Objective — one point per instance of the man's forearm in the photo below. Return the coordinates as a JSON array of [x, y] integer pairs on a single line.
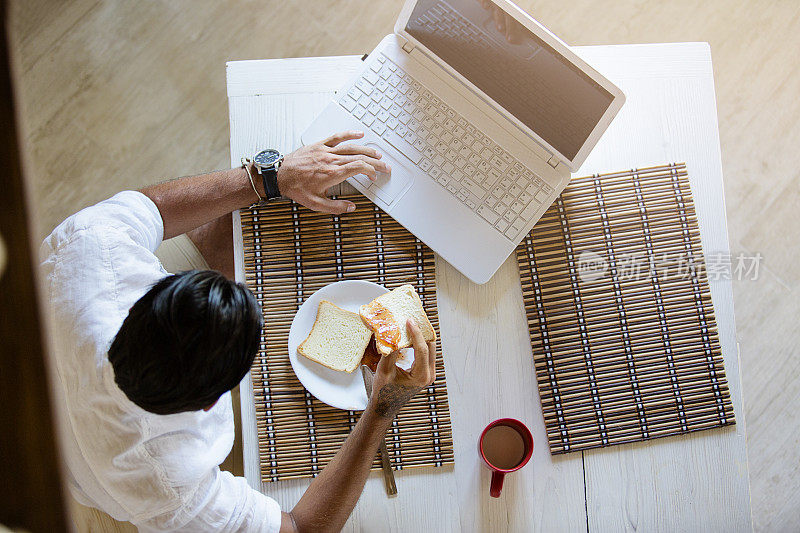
[[304, 176], [331, 497], [188, 203]]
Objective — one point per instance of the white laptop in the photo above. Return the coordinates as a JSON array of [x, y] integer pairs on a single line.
[[480, 126]]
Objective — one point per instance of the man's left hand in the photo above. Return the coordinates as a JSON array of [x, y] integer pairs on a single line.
[[307, 173]]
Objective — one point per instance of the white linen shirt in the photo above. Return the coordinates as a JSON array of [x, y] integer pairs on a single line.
[[159, 472]]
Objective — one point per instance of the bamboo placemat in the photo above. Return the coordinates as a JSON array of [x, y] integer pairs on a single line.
[[289, 253], [622, 326]]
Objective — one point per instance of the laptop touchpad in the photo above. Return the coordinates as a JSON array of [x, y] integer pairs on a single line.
[[389, 187]]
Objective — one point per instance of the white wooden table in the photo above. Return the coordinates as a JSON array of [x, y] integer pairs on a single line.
[[696, 482]]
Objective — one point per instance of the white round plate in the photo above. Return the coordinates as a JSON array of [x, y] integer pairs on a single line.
[[337, 389]]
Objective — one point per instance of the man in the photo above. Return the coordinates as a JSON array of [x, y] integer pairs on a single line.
[[144, 360]]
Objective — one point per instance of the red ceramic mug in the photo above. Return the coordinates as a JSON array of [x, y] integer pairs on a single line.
[[506, 445]]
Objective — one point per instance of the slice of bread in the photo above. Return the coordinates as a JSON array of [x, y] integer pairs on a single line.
[[387, 315], [337, 339]]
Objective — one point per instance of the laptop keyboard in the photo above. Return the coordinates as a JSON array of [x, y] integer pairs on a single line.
[[463, 161]]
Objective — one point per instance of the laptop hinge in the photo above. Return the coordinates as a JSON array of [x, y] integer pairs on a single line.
[[553, 161], [408, 46]]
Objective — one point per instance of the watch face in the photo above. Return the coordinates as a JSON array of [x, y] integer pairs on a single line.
[[267, 158]]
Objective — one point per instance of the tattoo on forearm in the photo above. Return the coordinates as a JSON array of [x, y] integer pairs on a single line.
[[391, 398]]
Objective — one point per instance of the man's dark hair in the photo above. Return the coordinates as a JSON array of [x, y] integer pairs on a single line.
[[191, 338]]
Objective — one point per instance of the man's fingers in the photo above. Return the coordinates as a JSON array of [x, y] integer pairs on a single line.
[[356, 149], [351, 169], [334, 207], [385, 363], [420, 348], [377, 164], [432, 358], [342, 136]]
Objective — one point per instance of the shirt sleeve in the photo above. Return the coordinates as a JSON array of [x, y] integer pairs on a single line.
[[129, 212], [224, 503]]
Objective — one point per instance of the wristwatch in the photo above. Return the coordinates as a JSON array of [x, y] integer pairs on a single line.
[[267, 163]]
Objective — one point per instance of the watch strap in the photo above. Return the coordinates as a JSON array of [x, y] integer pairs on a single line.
[[270, 178]]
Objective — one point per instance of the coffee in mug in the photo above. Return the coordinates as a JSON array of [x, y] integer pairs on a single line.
[[505, 445]]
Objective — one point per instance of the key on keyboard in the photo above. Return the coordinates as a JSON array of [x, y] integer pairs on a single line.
[[458, 156]]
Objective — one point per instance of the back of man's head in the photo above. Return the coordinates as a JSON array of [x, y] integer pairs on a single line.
[[191, 338]]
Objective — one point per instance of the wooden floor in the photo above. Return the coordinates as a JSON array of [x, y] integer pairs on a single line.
[[116, 94]]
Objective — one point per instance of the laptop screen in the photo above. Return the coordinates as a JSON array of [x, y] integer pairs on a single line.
[[514, 67]]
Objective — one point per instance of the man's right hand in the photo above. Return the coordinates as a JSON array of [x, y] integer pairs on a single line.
[[307, 173], [393, 386], [331, 497]]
